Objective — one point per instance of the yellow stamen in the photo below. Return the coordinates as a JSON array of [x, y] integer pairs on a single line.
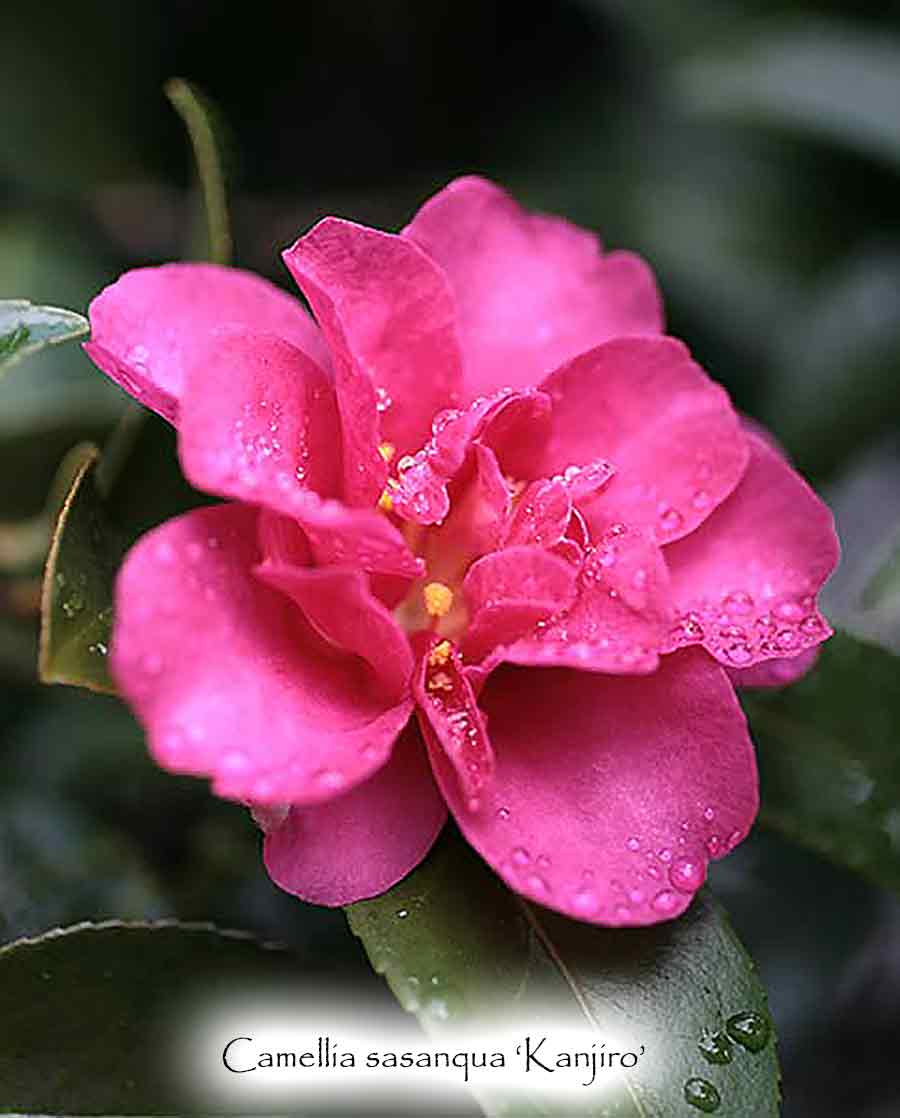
[[440, 681], [438, 599], [386, 501], [387, 451], [440, 654]]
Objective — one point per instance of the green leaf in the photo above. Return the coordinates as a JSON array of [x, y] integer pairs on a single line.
[[76, 606], [833, 80], [26, 329], [457, 948], [829, 758], [203, 124], [80, 1010]]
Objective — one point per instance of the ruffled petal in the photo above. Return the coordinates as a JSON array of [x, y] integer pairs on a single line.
[[360, 844], [258, 418], [508, 592], [745, 582], [337, 603], [611, 794], [620, 617], [229, 679], [451, 720], [672, 434], [532, 291], [389, 318], [145, 326]]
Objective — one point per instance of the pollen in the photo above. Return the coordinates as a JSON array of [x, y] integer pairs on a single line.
[[438, 599], [387, 451], [440, 654]]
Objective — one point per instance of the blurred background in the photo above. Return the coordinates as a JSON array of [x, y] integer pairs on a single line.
[[750, 149]]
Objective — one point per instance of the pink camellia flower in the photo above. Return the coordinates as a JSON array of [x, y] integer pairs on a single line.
[[494, 545]]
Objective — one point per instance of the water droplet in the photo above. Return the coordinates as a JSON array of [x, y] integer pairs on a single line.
[[749, 1030], [739, 653], [98, 648], [701, 500], [670, 519], [633, 844], [665, 902], [789, 611], [402, 913], [329, 778], [738, 602], [701, 1094], [73, 604], [521, 856], [665, 855], [709, 814], [687, 874], [543, 861], [503, 813], [383, 400], [537, 884], [585, 902], [715, 1048]]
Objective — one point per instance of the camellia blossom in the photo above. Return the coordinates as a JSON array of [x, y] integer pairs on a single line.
[[492, 543]]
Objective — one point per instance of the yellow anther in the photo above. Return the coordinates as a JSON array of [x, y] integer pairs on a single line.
[[440, 681], [386, 501], [440, 654], [387, 451], [438, 599]]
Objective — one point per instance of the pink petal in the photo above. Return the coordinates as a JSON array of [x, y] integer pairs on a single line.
[[508, 592], [144, 327], [610, 794], [228, 678], [450, 716], [775, 673], [532, 291], [541, 516], [672, 434], [338, 605], [389, 318], [360, 844], [353, 537], [621, 615], [258, 419], [508, 425], [744, 583]]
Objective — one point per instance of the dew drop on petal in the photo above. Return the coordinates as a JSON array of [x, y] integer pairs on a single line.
[[687, 874], [665, 902]]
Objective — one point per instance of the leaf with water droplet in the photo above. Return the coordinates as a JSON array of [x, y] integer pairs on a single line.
[[499, 958], [76, 605], [26, 329], [829, 762]]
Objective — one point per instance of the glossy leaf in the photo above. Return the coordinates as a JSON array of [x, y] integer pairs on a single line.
[[26, 329], [829, 751], [76, 607], [81, 1009], [459, 950]]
